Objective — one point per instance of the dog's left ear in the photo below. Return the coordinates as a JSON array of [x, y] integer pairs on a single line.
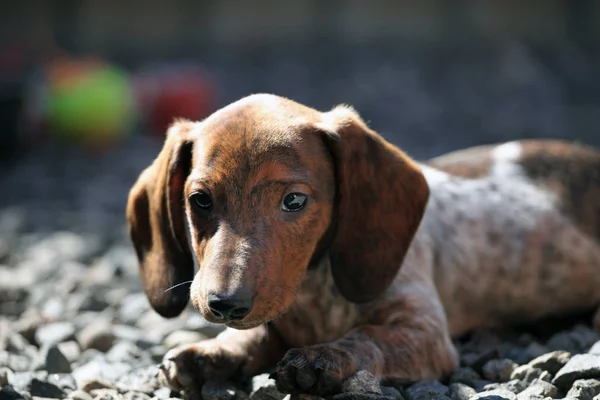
[[381, 197]]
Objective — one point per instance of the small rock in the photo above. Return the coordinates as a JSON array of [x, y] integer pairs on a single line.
[[70, 350], [477, 360], [392, 392], [125, 351], [497, 394], [595, 349], [264, 388], [213, 390], [584, 389], [136, 396], [54, 360], [43, 388], [93, 302], [106, 394], [465, 375], [425, 390], [580, 366], [538, 388], [79, 395], [95, 384], [362, 382], [362, 396], [6, 376], [499, 370], [180, 337], [578, 340], [141, 380], [97, 335], [54, 333], [515, 386], [551, 362], [8, 393], [132, 307], [16, 362], [526, 373], [460, 391], [163, 393]]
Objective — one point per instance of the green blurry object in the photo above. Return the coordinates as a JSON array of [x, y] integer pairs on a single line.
[[89, 102]]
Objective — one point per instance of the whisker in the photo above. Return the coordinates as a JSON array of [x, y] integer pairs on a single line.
[[179, 284]]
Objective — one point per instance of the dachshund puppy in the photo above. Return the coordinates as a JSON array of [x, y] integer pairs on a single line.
[[327, 250]]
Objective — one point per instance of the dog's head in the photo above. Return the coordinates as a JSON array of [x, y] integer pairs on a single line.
[[259, 191]]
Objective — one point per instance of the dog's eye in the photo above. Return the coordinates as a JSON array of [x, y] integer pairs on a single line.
[[201, 200], [294, 202]]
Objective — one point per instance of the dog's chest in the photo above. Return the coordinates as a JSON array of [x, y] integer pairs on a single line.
[[319, 314]]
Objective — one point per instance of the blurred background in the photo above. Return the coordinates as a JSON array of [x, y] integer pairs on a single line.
[[88, 87]]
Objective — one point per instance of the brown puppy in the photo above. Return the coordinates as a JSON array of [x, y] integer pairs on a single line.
[[330, 251]]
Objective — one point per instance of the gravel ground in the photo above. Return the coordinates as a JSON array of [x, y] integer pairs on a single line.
[[74, 322], [73, 319]]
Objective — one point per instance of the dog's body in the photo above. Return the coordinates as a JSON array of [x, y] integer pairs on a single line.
[[508, 234]]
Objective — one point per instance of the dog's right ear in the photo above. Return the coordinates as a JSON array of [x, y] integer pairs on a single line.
[[155, 215]]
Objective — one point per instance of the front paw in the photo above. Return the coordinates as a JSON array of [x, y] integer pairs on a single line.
[[187, 367], [316, 370]]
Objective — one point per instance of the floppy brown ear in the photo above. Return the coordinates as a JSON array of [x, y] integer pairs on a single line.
[[155, 214], [381, 197]]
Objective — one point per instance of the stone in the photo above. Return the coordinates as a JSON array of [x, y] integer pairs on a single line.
[[55, 361], [9, 393], [362, 382], [143, 380], [497, 394], [389, 391], [427, 389], [499, 370], [79, 395], [264, 388], [97, 335], [584, 389], [577, 340], [136, 396], [70, 350], [476, 360], [180, 337], [16, 362], [133, 307], [460, 391], [106, 394], [214, 390], [6, 376], [526, 373], [54, 333], [595, 349], [551, 362], [95, 384], [580, 366], [538, 388], [363, 396]]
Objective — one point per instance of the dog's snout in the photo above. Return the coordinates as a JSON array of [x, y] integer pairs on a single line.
[[231, 308]]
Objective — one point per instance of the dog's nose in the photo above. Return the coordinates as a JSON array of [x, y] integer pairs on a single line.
[[229, 308]]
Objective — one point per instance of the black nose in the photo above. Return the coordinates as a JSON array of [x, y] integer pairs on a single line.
[[229, 308]]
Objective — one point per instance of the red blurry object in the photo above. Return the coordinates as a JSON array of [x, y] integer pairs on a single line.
[[168, 92]]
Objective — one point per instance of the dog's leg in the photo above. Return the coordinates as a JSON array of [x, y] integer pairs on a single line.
[[414, 345], [233, 353]]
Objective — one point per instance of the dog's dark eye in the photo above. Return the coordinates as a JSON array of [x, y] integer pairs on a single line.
[[201, 200], [294, 202]]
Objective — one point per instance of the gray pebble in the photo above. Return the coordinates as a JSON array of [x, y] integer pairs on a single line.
[[362, 382], [55, 362], [580, 366], [428, 389], [54, 333], [526, 373], [595, 349], [180, 337], [460, 391], [9, 393], [97, 335], [499, 370], [106, 394], [584, 389], [6, 376], [539, 388], [497, 394], [551, 362], [264, 388], [70, 350], [362, 396], [136, 396], [79, 395]]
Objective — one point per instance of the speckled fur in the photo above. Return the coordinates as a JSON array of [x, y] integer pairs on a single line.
[[510, 234]]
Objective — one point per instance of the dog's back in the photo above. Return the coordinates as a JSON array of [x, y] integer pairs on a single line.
[[515, 231]]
